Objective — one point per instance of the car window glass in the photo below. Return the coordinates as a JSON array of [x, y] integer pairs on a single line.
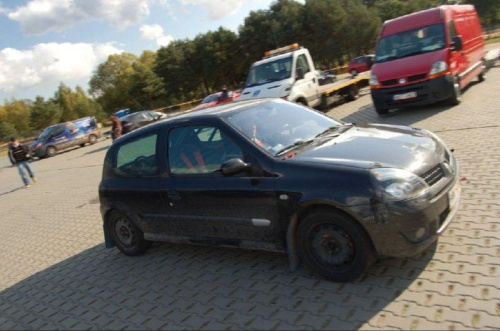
[[199, 150], [275, 125], [57, 131], [302, 63], [137, 157]]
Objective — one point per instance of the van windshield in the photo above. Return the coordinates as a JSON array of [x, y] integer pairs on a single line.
[[45, 134], [271, 71], [409, 43]]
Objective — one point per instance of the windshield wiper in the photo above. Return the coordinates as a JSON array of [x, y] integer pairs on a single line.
[[335, 129], [300, 143]]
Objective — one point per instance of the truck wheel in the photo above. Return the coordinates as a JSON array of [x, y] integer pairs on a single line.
[[92, 139], [482, 75], [126, 235], [352, 93], [51, 151], [456, 98], [334, 246]]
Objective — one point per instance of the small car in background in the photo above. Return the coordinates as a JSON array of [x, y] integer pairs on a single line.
[[326, 77], [360, 64], [273, 175], [65, 135], [139, 119], [217, 99]]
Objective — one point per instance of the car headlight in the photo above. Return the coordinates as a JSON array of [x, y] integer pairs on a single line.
[[374, 81], [396, 184], [439, 68]]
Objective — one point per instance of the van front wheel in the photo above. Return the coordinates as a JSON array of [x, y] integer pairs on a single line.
[[456, 97]]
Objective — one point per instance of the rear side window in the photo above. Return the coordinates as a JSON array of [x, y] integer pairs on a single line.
[[137, 158]]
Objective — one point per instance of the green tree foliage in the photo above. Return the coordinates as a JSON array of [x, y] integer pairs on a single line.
[[44, 113], [488, 11], [174, 64], [7, 131], [146, 86], [110, 84], [17, 113]]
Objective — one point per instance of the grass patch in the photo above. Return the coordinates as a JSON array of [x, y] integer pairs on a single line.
[[492, 40]]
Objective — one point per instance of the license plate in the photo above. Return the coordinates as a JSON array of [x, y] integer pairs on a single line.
[[453, 195], [404, 96]]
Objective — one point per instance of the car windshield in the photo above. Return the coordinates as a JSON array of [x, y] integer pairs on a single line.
[[411, 42], [270, 71], [278, 126], [211, 98]]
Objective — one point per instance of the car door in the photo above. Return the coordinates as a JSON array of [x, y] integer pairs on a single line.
[[202, 203], [59, 138], [136, 182], [309, 84]]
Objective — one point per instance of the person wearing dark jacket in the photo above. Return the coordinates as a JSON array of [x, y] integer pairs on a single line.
[[116, 129], [19, 155]]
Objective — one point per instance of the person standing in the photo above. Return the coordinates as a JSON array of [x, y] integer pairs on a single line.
[[19, 155], [116, 129]]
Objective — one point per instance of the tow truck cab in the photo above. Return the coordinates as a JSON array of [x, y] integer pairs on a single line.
[[288, 73]]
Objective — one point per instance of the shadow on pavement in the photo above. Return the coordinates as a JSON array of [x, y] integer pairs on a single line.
[[193, 287]]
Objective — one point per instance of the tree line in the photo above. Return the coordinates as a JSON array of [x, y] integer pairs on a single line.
[[333, 30]]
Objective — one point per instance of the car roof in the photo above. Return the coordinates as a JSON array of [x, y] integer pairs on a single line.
[[212, 112]]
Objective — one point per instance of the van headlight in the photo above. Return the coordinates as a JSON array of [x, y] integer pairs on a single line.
[[374, 81], [439, 68], [393, 184]]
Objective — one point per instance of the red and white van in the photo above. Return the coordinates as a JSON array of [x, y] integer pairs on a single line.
[[427, 56]]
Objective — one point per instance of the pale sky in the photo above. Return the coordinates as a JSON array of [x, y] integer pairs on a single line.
[[45, 42]]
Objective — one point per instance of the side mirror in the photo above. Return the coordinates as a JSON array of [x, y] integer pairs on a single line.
[[299, 73], [233, 166], [456, 43]]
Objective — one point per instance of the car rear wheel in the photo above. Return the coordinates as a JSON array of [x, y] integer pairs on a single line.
[[127, 236], [92, 139], [51, 151], [334, 246], [354, 72]]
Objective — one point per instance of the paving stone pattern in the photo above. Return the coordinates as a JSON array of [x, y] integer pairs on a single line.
[[56, 274]]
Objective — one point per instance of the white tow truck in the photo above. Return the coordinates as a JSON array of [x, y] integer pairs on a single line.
[[289, 73]]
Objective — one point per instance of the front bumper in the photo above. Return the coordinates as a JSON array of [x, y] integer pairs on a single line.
[[430, 91], [406, 228]]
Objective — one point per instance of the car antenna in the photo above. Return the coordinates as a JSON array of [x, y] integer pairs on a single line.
[[145, 110]]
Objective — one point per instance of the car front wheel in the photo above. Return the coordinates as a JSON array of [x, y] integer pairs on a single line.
[[334, 246], [92, 139], [127, 236]]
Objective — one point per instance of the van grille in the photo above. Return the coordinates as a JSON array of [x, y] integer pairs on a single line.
[[416, 77], [433, 176]]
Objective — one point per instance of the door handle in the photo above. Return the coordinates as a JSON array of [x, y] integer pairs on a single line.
[[173, 195]]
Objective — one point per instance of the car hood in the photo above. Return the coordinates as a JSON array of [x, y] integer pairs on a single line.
[[408, 66], [373, 145]]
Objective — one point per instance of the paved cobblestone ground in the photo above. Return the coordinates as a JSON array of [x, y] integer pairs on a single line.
[[56, 274]]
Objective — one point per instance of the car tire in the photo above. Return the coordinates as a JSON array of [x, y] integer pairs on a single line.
[[352, 93], [126, 235], [456, 97], [381, 111], [354, 72], [92, 139], [50, 151], [334, 246], [482, 75]]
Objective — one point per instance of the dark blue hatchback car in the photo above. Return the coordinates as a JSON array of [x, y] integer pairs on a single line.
[[274, 175]]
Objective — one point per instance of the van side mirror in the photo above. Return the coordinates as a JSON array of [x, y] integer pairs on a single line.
[[299, 73], [234, 166], [456, 43]]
